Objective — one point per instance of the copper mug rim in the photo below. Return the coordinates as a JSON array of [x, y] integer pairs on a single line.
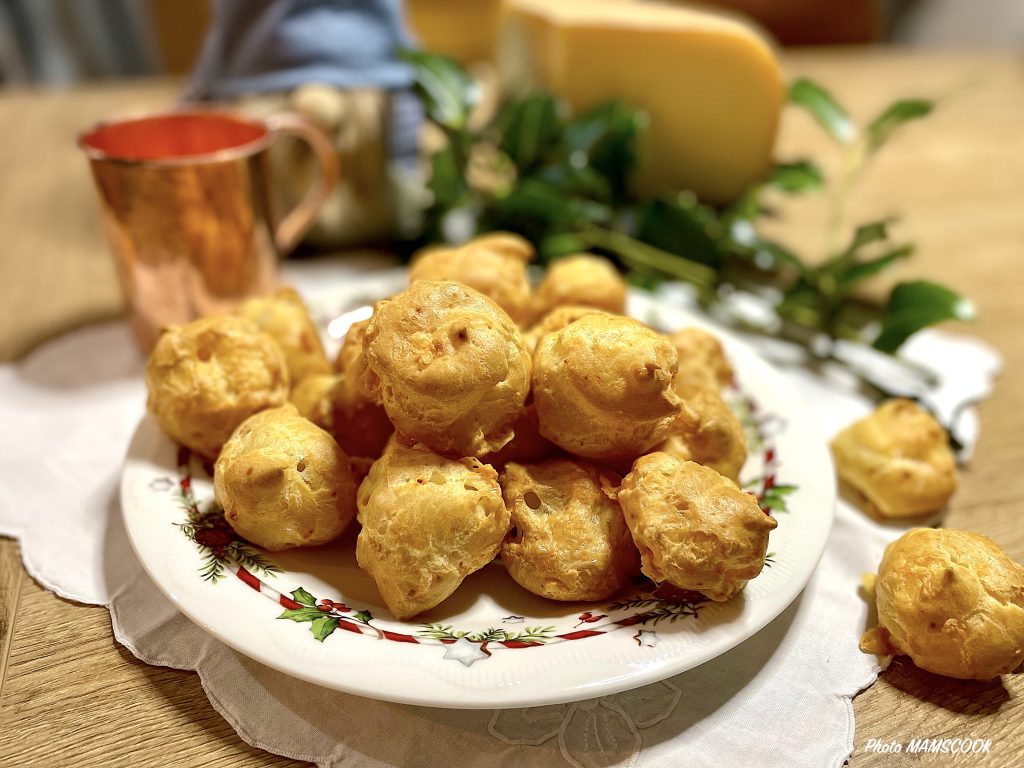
[[223, 135], [162, 176], [257, 142]]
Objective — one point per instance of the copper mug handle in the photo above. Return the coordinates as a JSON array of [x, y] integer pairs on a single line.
[[299, 219]]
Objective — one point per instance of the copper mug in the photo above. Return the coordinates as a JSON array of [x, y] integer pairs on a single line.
[[185, 200]]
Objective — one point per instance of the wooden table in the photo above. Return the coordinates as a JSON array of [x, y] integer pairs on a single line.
[[69, 694]]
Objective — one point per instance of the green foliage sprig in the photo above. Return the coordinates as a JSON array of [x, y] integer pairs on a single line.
[[562, 181]]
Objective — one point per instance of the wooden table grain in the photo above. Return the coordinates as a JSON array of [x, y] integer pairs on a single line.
[[70, 695]]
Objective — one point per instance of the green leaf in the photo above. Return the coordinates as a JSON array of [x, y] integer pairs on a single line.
[[529, 128], [323, 627], [916, 305], [561, 244], [798, 177], [301, 614], [897, 114], [746, 207], [583, 181], [536, 210], [775, 498], [780, 254], [801, 304], [644, 279], [605, 139], [363, 616], [864, 235], [682, 226], [303, 597], [871, 267], [868, 233], [447, 92], [824, 109], [743, 235], [447, 182]]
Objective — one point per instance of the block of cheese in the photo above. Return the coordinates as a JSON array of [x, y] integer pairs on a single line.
[[709, 82]]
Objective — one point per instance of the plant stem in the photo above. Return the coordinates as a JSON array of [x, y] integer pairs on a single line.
[[635, 253], [853, 163]]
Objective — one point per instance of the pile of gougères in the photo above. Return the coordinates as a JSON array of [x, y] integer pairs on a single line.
[[476, 415]]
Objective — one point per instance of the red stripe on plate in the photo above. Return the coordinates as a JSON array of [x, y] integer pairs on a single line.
[[248, 578], [580, 634], [398, 637]]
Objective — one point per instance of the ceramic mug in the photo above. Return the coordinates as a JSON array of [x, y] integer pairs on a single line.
[[186, 204]]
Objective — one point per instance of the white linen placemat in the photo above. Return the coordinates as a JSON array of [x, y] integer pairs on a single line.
[[68, 412]]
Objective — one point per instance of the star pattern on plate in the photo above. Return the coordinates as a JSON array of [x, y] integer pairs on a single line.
[[513, 619], [161, 484], [465, 652], [646, 638]]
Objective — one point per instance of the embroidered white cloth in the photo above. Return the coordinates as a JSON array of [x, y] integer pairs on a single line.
[[69, 409]]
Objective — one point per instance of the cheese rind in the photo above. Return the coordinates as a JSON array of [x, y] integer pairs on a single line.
[[710, 83]]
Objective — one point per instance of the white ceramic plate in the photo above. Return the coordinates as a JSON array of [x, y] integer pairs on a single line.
[[492, 644]]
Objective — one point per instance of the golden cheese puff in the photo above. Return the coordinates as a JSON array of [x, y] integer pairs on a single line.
[[676, 447], [283, 315], [486, 264], [899, 458], [951, 600], [709, 433], [556, 320], [360, 382], [506, 244], [568, 539], [361, 427], [603, 387], [694, 528], [350, 353], [451, 369], [312, 397], [427, 523], [207, 377], [583, 279], [527, 446], [702, 361], [284, 482], [351, 348], [360, 424]]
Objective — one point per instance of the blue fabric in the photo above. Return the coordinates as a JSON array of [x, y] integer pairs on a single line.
[[256, 46]]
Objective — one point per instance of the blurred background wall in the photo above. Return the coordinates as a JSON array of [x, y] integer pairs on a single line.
[[65, 41], [57, 42]]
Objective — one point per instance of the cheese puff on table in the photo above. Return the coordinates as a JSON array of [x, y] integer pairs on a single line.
[[951, 600]]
